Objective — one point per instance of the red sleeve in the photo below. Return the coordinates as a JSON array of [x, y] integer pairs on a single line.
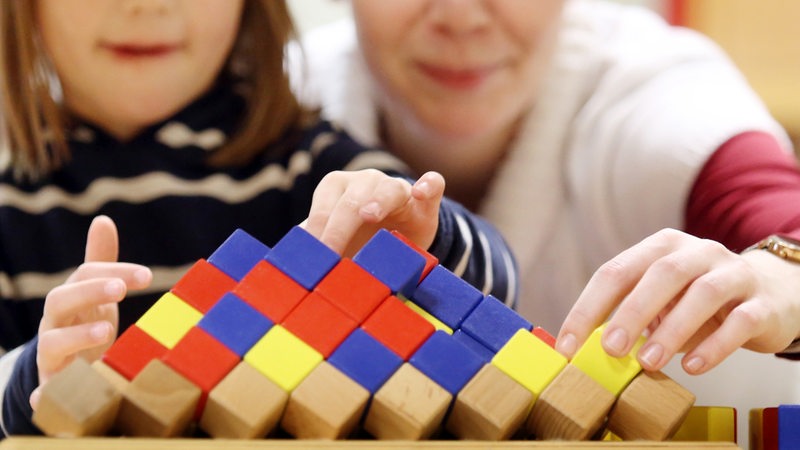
[[748, 189]]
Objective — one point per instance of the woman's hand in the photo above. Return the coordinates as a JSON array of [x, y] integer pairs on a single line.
[[349, 207], [80, 316], [691, 295]]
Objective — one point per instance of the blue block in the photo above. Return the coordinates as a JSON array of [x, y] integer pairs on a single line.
[[235, 323], [391, 261], [238, 254], [446, 296], [446, 361], [492, 323], [302, 257], [788, 427], [365, 360], [469, 342]]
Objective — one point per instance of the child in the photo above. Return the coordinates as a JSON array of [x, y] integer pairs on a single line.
[[175, 119]]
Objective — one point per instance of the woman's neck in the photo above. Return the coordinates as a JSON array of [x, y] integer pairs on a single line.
[[468, 164]]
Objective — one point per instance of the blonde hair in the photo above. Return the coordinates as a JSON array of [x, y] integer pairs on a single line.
[[34, 124]]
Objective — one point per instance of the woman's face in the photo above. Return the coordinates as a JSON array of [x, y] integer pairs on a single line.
[[126, 64], [458, 68]]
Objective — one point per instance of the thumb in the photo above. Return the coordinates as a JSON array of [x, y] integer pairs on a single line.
[[102, 241]]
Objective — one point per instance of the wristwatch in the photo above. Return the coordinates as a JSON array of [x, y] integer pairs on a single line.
[[783, 246]]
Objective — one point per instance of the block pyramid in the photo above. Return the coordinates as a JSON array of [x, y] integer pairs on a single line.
[[389, 343]]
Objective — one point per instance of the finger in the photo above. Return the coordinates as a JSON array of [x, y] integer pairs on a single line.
[[389, 196], [607, 287], [747, 320], [345, 217], [35, 397], [135, 276], [58, 347], [427, 193], [326, 195], [102, 241], [706, 296], [65, 302], [663, 281]]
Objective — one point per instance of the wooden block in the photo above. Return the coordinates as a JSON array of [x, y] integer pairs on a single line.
[[446, 361], [283, 358], [235, 323], [437, 324], [409, 406], [203, 360], [365, 360], [398, 327], [391, 261], [203, 285], [572, 407], [159, 402], [319, 324], [492, 323], [446, 296], [708, 423], [169, 319], [529, 361], [469, 342], [430, 260], [763, 428], [244, 405], [326, 405], [112, 376], [492, 406], [270, 291], [353, 290], [132, 350], [542, 334], [611, 372], [788, 427], [652, 407], [302, 257], [238, 254], [77, 402]]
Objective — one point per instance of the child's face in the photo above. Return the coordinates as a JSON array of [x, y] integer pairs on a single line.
[[126, 64], [459, 68]]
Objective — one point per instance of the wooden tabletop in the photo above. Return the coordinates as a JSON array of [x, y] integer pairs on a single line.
[[40, 443]]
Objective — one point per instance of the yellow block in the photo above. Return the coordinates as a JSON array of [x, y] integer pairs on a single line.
[[529, 361], [438, 324], [169, 319], [708, 423], [612, 373], [283, 358]]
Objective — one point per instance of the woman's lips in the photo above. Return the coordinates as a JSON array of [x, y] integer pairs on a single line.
[[140, 51], [461, 79]]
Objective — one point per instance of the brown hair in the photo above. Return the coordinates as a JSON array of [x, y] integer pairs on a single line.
[[33, 123]]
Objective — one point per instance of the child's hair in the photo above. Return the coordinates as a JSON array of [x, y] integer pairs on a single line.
[[33, 124]]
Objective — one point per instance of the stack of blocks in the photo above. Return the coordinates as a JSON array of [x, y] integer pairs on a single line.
[[775, 428], [296, 338]]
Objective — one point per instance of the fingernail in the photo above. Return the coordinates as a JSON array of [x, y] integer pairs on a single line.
[[114, 288], [567, 345], [424, 187], [617, 341], [651, 355], [694, 364], [372, 209], [99, 332], [142, 276]]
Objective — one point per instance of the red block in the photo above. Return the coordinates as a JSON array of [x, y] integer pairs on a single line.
[[319, 324], [133, 350], [203, 285], [352, 289], [542, 334], [203, 360], [430, 260], [398, 327], [270, 291]]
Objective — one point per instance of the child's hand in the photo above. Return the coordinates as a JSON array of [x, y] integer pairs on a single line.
[[80, 316], [692, 295], [349, 207]]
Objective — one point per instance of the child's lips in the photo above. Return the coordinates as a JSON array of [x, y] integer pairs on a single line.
[[134, 51], [467, 78]]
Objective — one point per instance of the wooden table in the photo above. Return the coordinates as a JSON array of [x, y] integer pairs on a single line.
[[39, 443]]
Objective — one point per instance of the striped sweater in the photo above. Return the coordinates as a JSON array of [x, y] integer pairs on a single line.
[[172, 209]]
